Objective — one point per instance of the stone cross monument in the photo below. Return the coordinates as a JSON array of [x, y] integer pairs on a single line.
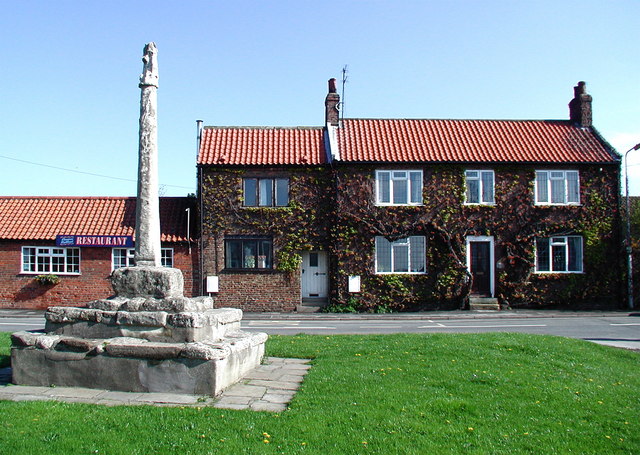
[[147, 337], [147, 208]]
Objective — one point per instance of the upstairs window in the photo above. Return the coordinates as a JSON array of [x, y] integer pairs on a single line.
[[248, 253], [557, 187], [51, 260], [125, 257], [560, 254], [479, 187], [259, 192], [399, 187], [401, 256]]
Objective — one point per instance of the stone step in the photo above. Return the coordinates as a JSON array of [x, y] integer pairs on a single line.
[[484, 304], [305, 308]]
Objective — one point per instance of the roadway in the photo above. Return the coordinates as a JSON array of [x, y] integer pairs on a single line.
[[618, 329]]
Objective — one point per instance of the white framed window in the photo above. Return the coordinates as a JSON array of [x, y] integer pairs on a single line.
[[399, 187], [479, 187], [125, 257], [265, 192], [401, 256], [559, 254], [42, 259], [557, 187]]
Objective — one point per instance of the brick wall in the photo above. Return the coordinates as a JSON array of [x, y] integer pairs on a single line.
[[259, 292], [250, 291], [18, 290]]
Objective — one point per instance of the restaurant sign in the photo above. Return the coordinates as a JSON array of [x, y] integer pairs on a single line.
[[122, 241]]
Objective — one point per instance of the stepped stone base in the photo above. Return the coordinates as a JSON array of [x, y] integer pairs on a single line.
[[148, 338], [134, 365]]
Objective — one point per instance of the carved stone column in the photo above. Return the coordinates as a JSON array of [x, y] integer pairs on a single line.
[[147, 208]]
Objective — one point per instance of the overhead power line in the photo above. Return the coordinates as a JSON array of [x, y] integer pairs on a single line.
[[84, 172]]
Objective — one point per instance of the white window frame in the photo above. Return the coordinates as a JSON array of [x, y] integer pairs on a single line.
[[50, 252], [402, 243], [560, 241], [274, 192], [477, 175], [555, 175], [399, 175], [130, 255]]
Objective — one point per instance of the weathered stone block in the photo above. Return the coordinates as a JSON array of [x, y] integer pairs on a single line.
[[157, 282], [142, 318], [80, 344], [143, 350]]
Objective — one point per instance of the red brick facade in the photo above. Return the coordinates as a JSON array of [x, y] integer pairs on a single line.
[[258, 291], [20, 290]]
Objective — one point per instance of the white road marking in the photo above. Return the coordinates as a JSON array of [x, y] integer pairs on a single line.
[[630, 323], [441, 326], [289, 327], [22, 323]]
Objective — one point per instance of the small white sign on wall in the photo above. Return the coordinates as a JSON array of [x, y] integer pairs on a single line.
[[354, 283], [212, 284]]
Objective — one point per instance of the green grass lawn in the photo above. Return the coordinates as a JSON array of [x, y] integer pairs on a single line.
[[393, 394], [5, 348]]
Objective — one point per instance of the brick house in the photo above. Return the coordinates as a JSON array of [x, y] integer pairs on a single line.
[[411, 214], [81, 240]]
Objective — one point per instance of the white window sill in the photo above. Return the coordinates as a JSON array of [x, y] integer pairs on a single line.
[[545, 204], [484, 204], [399, 205], [50, 273], [558, 273], [401, 273]]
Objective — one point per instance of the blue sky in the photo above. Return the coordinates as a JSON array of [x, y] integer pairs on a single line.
[[69, 75]]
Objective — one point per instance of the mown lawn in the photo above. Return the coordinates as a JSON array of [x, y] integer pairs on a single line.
[[393, 394]]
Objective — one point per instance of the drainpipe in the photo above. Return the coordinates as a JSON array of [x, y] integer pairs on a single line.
[[200, 209]]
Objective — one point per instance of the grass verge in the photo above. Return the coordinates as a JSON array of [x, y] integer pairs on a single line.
[[412, 394], [5, 349]]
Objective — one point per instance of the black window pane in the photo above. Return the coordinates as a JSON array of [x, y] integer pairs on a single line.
[[250, 191], [282, 192], [234, 254], [542, 255]]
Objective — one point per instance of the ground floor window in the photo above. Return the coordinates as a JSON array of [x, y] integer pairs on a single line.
[[401, 256], [124, 257], [559, 254], [36, 259], [248, 253]]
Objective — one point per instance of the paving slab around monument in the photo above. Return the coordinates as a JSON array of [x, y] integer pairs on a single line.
[[269, 387]]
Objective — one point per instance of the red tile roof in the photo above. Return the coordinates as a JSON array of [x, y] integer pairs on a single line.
[[402, 140], [42, 218], [261, 146]]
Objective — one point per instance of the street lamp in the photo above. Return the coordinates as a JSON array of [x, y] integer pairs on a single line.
[[628, 237]]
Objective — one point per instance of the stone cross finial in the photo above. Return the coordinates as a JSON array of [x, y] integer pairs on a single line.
[[147, 205], [149, 74]]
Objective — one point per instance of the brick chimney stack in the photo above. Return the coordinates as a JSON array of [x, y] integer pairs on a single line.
[[332, 114], [580, 106]]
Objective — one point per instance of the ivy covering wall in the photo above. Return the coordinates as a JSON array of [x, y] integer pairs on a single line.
[[333, 209]]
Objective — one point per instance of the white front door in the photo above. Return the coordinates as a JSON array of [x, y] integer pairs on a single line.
[[315, 279]]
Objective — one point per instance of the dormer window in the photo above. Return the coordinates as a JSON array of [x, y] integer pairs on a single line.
[[399, 187]]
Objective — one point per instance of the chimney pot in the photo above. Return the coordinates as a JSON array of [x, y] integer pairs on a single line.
[[332, 85]]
